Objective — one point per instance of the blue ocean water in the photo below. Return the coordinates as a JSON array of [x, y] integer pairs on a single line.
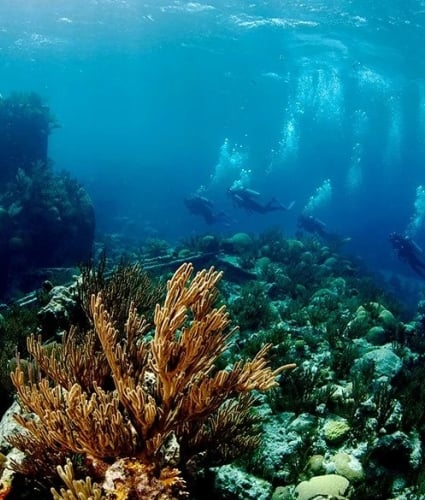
[[317, 102]]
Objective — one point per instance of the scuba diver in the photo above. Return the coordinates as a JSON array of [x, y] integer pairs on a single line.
[[408, 251], [199, 205], [243, 197], [311, 224]]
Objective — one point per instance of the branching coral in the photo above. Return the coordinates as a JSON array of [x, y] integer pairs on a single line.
[[139, 411], [127, 283]]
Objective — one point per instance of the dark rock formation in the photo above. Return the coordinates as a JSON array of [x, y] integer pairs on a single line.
[[46, 219]]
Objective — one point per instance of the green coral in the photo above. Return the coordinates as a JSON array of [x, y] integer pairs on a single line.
[[16, 323], [335, 431], [252, 308]]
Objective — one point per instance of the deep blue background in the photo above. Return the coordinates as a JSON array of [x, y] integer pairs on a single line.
[[147, 93]]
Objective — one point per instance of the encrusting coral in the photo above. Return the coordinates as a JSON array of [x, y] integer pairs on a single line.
[[125, 414]]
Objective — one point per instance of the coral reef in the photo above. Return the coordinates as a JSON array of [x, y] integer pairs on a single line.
[[15, 325], [359, 372], [25, 124], [125, 284], [46, 219], [352, 411], [139, 411]]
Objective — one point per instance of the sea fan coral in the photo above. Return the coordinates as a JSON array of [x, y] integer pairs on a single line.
[[133, 410]]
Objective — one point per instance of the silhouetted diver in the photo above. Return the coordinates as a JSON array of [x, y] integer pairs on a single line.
[[313, 225], [245, 198], [199, 205], [408, 251]]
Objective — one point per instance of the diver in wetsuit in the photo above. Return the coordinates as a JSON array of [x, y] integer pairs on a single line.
[[199, 205], [313, 225], [408, 251], [243, 197]]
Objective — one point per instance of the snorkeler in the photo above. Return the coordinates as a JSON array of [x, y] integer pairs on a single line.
[[199, 205], [243, 197], [408, 251]]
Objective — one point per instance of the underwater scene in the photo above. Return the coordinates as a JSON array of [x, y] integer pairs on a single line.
[[212, 249]]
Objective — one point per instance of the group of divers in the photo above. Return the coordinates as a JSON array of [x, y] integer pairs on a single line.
[[404, 247]]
